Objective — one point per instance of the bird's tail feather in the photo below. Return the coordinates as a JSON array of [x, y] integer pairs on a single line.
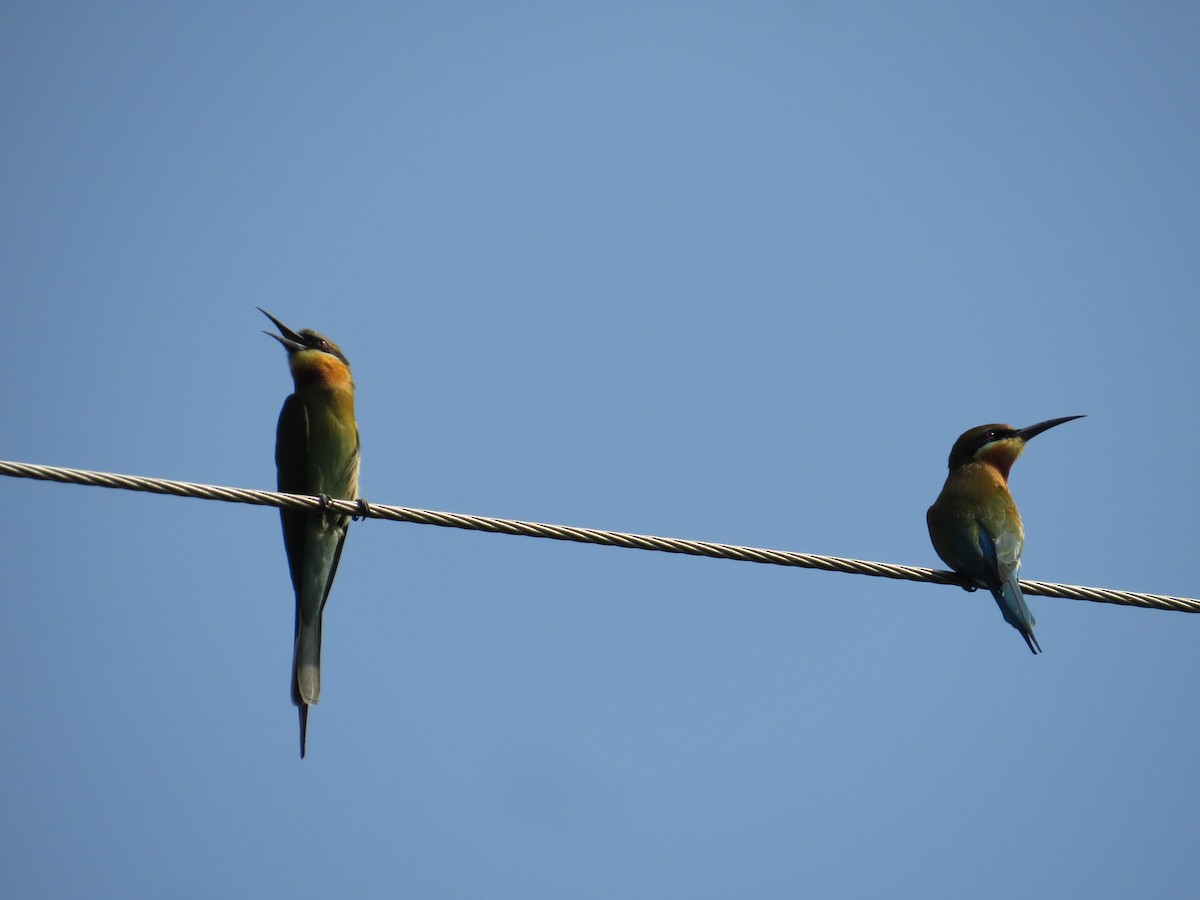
[[306, 674], [1016, 611], [306, 684]]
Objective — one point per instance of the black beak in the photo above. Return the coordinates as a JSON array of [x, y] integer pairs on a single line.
[[290, 339], [1033, 431]]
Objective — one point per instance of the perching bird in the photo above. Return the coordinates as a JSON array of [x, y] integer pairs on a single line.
[[974, 523], [316, 452]]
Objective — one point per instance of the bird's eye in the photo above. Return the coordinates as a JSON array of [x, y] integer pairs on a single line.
[[991, 435]]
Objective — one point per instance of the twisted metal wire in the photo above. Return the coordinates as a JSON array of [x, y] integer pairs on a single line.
[[362, 509]]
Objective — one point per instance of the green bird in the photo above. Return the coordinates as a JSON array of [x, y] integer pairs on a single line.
[[316, 452], [974, 524]]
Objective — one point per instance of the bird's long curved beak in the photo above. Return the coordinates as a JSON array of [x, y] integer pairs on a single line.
[[290, 339], [1033, 431]]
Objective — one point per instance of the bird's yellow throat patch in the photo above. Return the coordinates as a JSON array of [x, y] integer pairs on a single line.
[[314, 367], [1000, 455]]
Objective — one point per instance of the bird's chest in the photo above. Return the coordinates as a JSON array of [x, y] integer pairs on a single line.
[[332, 447]]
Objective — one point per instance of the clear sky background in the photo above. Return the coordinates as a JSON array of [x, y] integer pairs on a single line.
[[728, 271]]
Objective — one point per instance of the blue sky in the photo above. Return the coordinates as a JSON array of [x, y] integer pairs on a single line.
[[728, 271]]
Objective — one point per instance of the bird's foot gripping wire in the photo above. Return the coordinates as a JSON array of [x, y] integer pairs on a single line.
[[364, 510], [961, 580], [326, 502]]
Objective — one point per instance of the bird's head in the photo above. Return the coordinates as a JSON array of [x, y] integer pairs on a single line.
[[997, 445], [311, 356]]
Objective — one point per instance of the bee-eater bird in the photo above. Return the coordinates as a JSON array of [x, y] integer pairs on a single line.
[[974, 523], [316, 452]]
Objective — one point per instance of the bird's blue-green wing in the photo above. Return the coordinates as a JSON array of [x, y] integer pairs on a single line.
[[291, 464], [1003, 556]]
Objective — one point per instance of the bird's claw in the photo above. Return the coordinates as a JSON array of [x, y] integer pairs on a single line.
[[325, 501], [364, 510]]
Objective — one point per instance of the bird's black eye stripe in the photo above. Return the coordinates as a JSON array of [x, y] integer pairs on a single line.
[[989, 436]]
